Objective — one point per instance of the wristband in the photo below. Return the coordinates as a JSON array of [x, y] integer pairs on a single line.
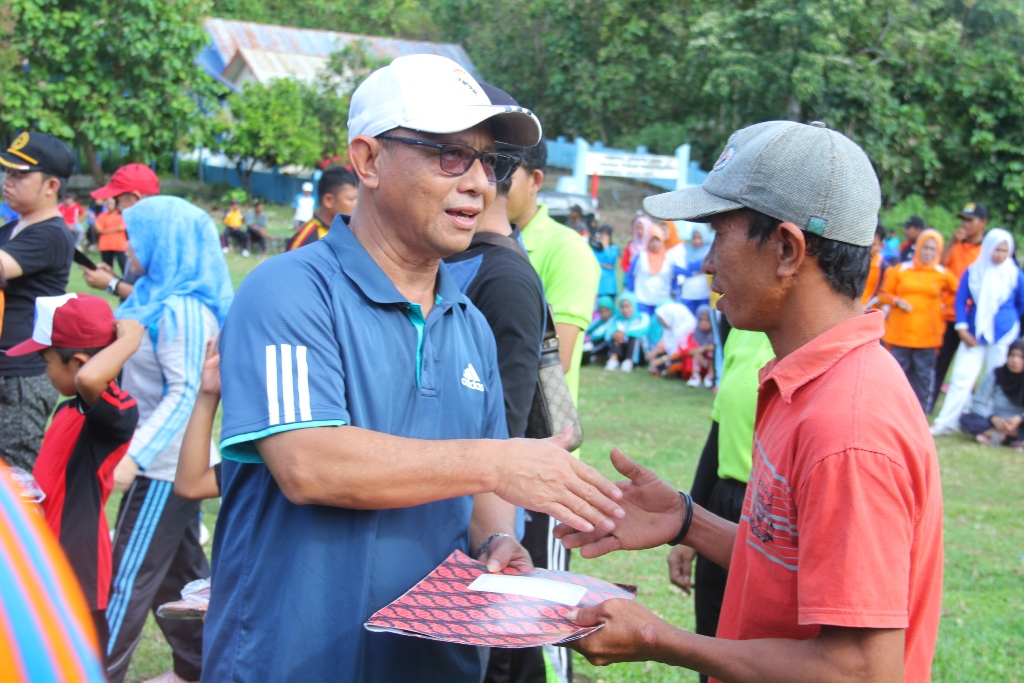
[[687, 519], [487, 544], [112, 287]]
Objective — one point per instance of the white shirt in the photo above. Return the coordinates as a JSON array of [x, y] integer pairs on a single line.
[[304, 207]]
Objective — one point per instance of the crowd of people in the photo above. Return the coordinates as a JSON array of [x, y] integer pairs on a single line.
[[384, 391]]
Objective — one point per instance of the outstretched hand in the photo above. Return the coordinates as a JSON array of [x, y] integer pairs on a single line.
[[539, 474], [654, 514]]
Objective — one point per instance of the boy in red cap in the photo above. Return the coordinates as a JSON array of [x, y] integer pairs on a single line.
[[84, 349]]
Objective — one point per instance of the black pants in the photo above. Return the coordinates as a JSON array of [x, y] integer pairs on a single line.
[[99, 622], [156, 552], [975, 424], [239, 237], [25, 407], [950, 343], [526, 665], [919, 367], [110, 256], [627, 350], [709, 579], [255, 238]]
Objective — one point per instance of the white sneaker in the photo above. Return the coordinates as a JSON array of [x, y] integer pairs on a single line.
[[694, 380], [225, 250], [709, 382], [627, 366], [167, 677], [939, 430], [612, 365], [245, 253]]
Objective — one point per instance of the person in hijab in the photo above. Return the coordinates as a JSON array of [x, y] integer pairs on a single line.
[[629, 327], [597, 342], [989, 305], [650, 277], [689, 283], [677, 323], [996, 414], [608, 256], [181, 296], [638, 242], [699, 358], [915, 291]]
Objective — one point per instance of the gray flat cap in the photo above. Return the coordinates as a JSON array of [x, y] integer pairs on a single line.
[[803, 173]]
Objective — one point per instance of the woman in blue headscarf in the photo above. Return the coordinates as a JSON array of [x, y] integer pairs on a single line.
[[628, 329], [181, 296], [689, 284]]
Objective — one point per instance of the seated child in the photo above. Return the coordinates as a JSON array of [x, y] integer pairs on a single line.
[[677, 323], [629, 327], [194, 478], [84, 349], [595, 344], [696, 357], [996, 413]]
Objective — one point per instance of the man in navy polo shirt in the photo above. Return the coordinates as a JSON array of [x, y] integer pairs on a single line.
[[364, 432]]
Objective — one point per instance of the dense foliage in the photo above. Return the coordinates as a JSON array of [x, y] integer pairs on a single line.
[[104, 73]]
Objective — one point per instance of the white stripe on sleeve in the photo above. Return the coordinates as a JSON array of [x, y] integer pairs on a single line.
[[274, 408], [302, 372]]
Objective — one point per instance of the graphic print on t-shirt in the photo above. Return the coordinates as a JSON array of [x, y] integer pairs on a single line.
[[769, 510]]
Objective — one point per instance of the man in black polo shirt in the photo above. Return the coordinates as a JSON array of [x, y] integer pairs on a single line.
[[35, 259]]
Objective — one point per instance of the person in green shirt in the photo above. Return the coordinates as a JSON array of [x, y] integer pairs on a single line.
[[563, 259], [721, 479]]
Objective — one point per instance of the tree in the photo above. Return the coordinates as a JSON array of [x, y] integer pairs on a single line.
[[107, 73], [271, 124]]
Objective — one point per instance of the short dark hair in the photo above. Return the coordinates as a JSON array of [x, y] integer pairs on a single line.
[[880, 231], [333, 178], [845, 265], [533, 158], [67, 354]]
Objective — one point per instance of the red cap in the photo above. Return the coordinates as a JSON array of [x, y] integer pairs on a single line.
[[69, 321], [131, 178]]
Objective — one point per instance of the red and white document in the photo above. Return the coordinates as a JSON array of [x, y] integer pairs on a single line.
[[460, 602]]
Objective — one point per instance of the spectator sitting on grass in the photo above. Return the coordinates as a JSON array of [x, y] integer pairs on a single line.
[[599, 331], [233, 222], [629, 327], [678, 324], [996, 414]]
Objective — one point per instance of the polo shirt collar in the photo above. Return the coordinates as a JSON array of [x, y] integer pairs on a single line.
[[820, 354], [358, 265], [531, 232]]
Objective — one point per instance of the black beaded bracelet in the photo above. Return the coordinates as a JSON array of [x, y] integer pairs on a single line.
[[487, 544], [687, 519]]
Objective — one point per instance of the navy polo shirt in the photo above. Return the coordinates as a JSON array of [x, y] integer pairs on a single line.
[[320, 337]]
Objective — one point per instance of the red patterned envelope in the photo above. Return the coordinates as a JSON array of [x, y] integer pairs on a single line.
[[443, 607]]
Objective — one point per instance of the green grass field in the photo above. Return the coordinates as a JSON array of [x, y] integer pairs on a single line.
[[663, 425]]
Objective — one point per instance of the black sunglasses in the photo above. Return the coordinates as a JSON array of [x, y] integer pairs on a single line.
[[458, 159]]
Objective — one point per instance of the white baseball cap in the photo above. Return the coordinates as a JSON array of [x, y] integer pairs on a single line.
[[307, 187], [433, 94]]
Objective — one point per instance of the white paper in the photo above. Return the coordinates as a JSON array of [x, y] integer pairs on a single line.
[[556, 591]]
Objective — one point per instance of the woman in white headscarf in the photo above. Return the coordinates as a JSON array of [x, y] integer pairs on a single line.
[[989, 305], [677, 323]]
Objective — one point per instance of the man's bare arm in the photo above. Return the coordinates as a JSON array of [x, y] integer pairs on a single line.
[[567, 337], [364, 470]]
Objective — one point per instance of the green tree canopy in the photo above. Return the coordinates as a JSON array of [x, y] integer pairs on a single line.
[[106, 73]]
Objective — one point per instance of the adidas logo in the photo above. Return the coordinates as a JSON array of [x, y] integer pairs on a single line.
[[471, 379]]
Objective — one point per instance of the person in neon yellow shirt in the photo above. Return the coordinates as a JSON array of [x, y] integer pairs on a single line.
[[565, 262]]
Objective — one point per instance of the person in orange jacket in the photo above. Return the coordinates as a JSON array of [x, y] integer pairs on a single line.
[[868, 297], [916, 291]]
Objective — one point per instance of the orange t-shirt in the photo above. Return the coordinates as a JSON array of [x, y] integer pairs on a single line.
[[111, 241], [871, 284], [842, 522], [961, 255], [926, 290]]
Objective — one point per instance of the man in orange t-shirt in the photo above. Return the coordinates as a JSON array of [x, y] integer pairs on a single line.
[[961, 252], [112, 235], [835, 569]]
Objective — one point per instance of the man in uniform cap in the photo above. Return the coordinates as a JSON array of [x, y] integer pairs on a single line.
[[364, 434], [912, 228], [35, 260], [844, 487]]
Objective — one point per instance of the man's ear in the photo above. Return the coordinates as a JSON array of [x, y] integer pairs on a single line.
[[536, 180], [792, 250], [51, 187], [365, 153], [328, 201]]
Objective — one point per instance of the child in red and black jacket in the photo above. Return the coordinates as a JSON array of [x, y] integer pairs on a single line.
[[84, 349]]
